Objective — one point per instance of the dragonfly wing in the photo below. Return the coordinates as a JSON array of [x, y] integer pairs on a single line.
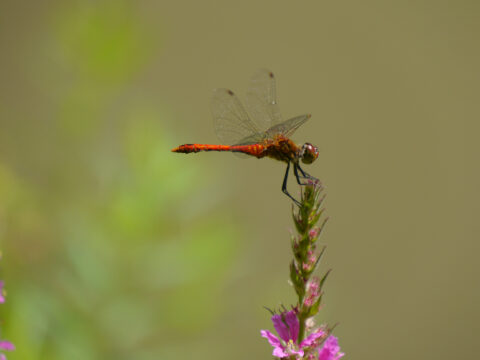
[[262, 99], [288, 127], [231, 121]]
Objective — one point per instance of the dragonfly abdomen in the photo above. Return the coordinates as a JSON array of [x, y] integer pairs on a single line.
[[257, 150], [254, 149], [194, 148]]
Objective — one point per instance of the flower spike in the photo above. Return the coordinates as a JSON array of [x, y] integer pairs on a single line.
[[297, 336]]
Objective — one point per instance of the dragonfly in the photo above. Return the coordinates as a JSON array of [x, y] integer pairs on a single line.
[[260, 132]]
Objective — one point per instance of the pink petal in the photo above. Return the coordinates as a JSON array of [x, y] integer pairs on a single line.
[[298, 352], [6, 345], [330, 350], [279, 352], [293, 325], [310, 339], [3, 357], [272, 339], [280, 327]]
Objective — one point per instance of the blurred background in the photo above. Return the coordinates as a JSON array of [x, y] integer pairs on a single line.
[[116, 248]]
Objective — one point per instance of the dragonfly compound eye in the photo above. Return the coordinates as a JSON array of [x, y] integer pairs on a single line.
[[309, 153]]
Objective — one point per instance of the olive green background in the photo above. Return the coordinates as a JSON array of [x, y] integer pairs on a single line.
[[116, 248]]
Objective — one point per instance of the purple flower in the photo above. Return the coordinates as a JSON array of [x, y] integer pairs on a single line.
[[287, 327], [2, 292], [330, 350], [5, 346]]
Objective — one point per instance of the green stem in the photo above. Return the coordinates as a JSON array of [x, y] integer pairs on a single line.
[[304, 245], [301, 331]]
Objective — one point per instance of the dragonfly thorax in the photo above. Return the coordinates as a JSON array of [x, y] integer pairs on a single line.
[[308, 153]]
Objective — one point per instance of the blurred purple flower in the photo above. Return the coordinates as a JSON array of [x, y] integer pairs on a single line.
[[330, 349], [287, 327], [4, 344], [2, 292]]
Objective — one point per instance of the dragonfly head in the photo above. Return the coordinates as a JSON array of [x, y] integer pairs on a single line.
[[308, 153]]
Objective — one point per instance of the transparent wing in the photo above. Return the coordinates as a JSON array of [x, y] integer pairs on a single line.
[[231, 121], [262, 99], [288, 127]]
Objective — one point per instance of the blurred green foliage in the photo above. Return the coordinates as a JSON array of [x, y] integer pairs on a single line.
[[105, 246], [102, 40]]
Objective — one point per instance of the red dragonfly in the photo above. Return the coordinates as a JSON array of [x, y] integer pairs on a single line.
[[261, 132]]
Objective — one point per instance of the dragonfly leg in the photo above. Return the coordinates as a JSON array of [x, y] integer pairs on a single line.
[[296, 168], [284, 185], [295, 171]]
